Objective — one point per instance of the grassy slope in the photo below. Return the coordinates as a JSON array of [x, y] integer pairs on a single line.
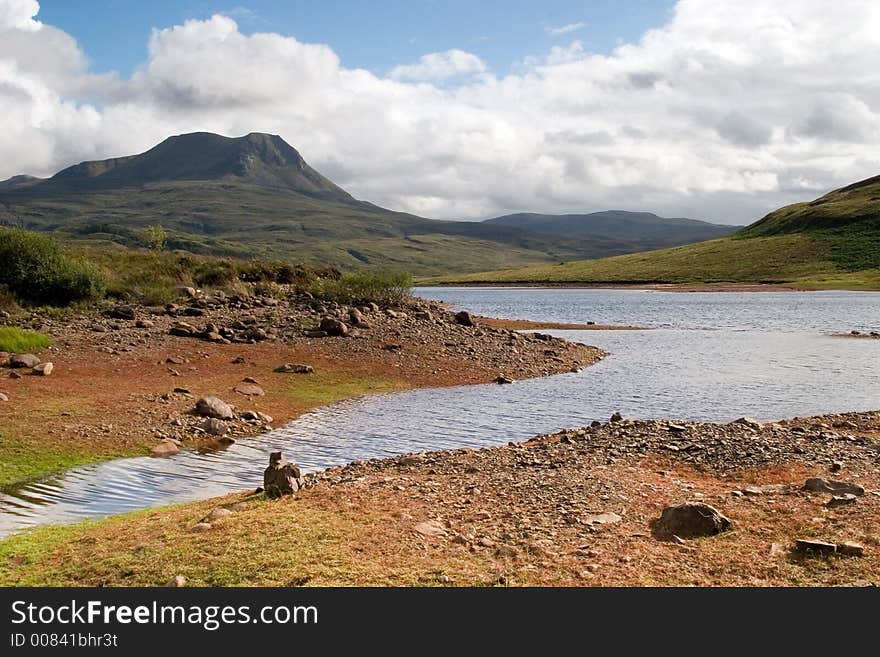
[[833, 241]]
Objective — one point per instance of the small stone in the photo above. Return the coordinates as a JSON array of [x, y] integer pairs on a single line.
[[249, 390], [777, 549], [333, 326], [506, 551], [851, 549], [678, 428], [14, 375], [841, 500], [806, 546], [214, 427], [501, 380], [693, 519], [44, 369], [608, 518], [430, 528], [176, 582], [200, 527], [3, 397], [165, 448], [144, 324], [294, 368], [218, 514], [592, 567], [464, 318], [749, 422], [837, 466]]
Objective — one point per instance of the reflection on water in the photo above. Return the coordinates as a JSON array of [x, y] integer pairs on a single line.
[[770, 371]]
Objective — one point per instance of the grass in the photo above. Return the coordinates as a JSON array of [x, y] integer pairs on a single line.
[[18, 341], [327, 387], [805, 259]]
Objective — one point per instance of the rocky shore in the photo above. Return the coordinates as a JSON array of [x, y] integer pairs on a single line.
[[138, 372]]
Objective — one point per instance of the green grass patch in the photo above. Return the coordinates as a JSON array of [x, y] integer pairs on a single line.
[[328, 387], [18, 341]]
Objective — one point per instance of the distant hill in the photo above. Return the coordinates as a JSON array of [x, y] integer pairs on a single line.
[[645, 228], [255, 196], [833, 241]]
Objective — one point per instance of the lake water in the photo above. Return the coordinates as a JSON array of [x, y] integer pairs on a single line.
[[709, 356]]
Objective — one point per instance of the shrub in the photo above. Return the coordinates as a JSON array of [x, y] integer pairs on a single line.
[[17, 341], [385, 287], [35, 270]]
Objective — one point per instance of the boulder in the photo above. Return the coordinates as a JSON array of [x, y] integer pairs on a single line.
[[692, 519], [294, 368], [214, 407], [44, 369], [464, 318], [332, 326], [24, 360], [281, 477], [820, 485]]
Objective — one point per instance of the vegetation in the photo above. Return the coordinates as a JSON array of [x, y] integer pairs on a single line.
[[156, 236], [17, 341], [385, 287], [36, 270]]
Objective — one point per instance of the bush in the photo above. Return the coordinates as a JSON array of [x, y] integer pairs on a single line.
[[385, 287], [36, 271]]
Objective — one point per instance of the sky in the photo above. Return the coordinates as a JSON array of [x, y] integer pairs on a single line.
[[702, 108]]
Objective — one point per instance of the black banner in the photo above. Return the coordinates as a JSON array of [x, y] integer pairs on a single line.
[[126, 620]]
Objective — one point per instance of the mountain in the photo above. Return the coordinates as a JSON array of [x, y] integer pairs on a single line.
[[646, 228], [17, 182], [833, 241], [255, 196]]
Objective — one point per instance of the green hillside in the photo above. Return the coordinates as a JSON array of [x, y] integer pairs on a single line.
[[646, 229], [831, 242]]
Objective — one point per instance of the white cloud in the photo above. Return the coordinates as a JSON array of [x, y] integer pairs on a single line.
[[565, 29], [439, 66], [725, 112]]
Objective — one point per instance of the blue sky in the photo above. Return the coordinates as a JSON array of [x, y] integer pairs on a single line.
[[372, 35]]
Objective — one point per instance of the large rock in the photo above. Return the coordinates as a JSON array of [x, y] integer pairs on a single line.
[[24, 360], [355, 316], [464, 318], [692, 519], [282, 477], [820, 485], [332, 326], [165, 448], [214, 407], [183, 329], [214, 427]]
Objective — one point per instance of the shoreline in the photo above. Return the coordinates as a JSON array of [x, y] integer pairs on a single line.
[[126, 387], [575, 508]]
